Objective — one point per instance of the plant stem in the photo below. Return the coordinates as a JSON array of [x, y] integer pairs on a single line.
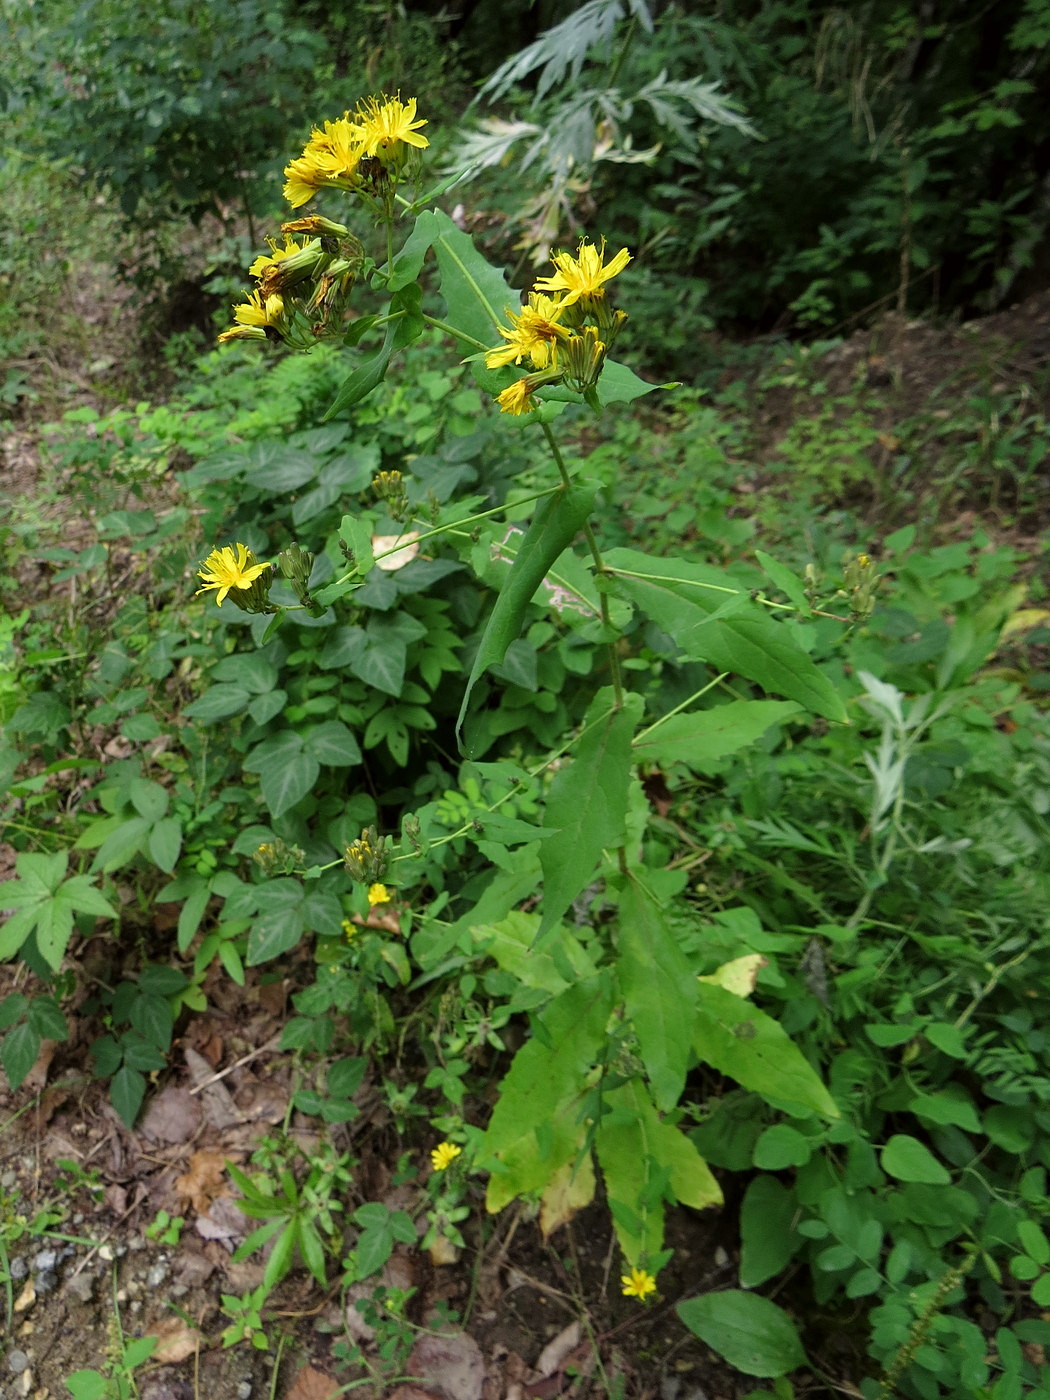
[[451, 330], [599, 564]]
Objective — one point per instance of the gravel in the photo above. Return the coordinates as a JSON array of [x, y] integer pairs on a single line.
[[17, 1362]]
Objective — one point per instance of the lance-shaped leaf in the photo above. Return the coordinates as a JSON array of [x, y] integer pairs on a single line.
[[659, 990], [476, 297], [587, 803], [406, 326], [736, 1038], [632, 1142], [534, 1129], [703, 736], [553, 529], [684, 598]]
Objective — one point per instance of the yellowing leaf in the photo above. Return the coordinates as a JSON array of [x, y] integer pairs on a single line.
[[1023, 621], [569, 1190], [739, 975]]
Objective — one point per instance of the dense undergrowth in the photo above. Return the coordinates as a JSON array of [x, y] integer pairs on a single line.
[[837, 824]]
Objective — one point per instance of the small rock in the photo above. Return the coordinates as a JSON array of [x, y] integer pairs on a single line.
[[24, 1384], [136, 1244], [8, 1179], [45, 1282], [178, 1290], [156, 1275], [244, 1390], [17, 1362], [82, 1287], [18, 1269], [45, 1260]]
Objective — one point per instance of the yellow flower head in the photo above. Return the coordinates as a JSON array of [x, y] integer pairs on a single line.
[[516, 398], [349, 930], [444, 1155], [337, 150], [637, 1284], [305, 177], [232, 566], [583, 274], [534, 332], [378, 894], [276, 255], [387, 120], [259, 310]]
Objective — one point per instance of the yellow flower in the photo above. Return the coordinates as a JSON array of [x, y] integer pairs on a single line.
[[233, 566], [349, 929], [378, 894], [516, 398], [638, 1284], [259, 310], [276, 255], [385, 120], [444, 1155], [305, 177], [583, 274], [534, 332]]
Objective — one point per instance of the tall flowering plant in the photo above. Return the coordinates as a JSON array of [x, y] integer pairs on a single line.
[[621, 1022]]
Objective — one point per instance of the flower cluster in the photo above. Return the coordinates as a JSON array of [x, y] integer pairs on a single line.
[[564, 330], [362, 152], [303, 287], [366, 859]]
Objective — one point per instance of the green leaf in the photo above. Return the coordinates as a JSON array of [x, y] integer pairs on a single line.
[[16, 929], [333, 744], [18, 1053], [587, 803], [408, 263], [748, 1331], [786, 581], [476, 296], [280, 923], [683, 598], [374, 1247], [630, 1138], [121, 845], [80, 893], [149, 799], [702, 737], [738, 1039], [906, 1159], [54, 928], [287, 772], [41, 874], [274, 466], [406, 327], [152, 1018], [382, 665], [533, 1129], [88, 1385], [165, 843], [126, 1092], [767, 1232], [782, 1146], [510, 943], [553, 529], [219, 702], [659, 991]]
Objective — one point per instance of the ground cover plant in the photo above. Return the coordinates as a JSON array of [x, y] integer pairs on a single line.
[[617, 871]]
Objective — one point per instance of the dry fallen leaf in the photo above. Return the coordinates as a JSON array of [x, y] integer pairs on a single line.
[[553, 1355], [452, 1362], [443, 1251], [175, 1341], [400, 557], [205, 1179], [311, 1384], [217, 1101], [174, 1115]]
